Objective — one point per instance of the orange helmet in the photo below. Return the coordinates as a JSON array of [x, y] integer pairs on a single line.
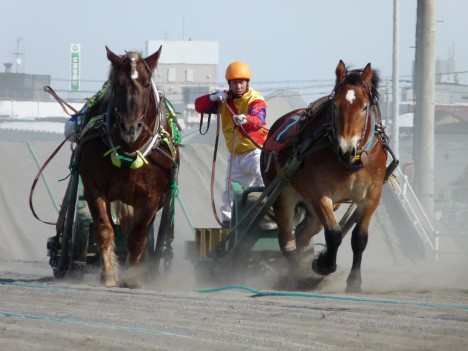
[[238, 70]]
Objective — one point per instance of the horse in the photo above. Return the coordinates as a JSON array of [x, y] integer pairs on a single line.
[[132, 160], [340, 151]]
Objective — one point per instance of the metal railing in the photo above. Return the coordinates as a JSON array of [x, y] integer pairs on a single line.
[[423, 224]]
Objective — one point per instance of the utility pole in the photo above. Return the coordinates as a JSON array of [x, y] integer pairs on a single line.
[[423, 126], [18, 54], [395, 140]]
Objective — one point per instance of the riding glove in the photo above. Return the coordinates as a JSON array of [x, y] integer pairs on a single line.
[[239, 119], [220, 96]]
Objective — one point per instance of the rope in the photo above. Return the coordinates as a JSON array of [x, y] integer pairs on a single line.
[[257, 293], [87, 323]]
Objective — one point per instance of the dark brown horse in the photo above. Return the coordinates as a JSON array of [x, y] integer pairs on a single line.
[[133, 162], [340, 151]]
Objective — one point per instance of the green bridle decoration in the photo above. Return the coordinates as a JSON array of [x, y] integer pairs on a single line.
[[119, 160]]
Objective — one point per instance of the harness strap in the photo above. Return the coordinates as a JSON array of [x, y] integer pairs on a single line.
[[61, 102], [207, 125], [36, 178], [94, 122], [305, 147]]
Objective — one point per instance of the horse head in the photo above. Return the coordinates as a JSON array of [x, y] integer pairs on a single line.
[[132, 88], [354, 94]]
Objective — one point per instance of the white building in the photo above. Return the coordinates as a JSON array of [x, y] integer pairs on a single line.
[[186, 70]]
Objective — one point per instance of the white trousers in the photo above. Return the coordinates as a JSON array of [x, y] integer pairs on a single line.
[[246, 172]]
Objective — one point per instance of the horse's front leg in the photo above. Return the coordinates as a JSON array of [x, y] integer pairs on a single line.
[[326, 262], [358, 244], [104, 237], [359, 238]]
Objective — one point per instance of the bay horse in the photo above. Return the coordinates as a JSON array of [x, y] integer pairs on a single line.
[[341, 152], [133, 161]]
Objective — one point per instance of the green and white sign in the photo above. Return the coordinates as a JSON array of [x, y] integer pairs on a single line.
[[75, 67]]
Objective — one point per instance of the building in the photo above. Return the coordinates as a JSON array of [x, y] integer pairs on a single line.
[[186, 70], [450, 100], [23, 87]]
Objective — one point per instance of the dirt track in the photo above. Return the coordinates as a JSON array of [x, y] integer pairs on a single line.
[[408, 303], [37, 313]]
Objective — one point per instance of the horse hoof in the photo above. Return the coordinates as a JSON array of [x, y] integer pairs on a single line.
[[352, 288], [109, 284], [108, 281], [129, 285], [318, 268]]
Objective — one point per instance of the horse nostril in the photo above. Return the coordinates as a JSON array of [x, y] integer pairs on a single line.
[[139, 125], [340, 153], [122, 126]]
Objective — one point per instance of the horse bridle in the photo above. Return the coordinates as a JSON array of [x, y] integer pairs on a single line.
[[143, 116], [137, 158], [360, 148]]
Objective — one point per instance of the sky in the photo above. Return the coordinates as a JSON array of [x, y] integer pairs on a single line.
[[287, 44]]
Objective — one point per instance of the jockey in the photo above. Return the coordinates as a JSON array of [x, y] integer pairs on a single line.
[[243, 114]]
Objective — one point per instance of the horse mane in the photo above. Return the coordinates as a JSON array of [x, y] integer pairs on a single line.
[[354, 78]]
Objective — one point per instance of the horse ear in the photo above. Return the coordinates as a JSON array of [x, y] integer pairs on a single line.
[[340, 71], [153, 59], [367, 74], [112, 57]]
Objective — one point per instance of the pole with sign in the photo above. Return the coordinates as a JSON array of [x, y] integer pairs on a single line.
[[75, 67]]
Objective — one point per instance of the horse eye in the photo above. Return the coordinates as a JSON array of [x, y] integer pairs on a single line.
[[364, 108]]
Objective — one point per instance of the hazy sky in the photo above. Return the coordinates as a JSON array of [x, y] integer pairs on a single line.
[[282, 41]]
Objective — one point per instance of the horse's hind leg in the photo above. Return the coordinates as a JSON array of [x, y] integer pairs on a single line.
[[310, 226], [284, 208]]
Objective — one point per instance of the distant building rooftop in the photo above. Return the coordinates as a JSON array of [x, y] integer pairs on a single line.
[[185, 52]]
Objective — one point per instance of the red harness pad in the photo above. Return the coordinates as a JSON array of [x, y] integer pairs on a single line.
[[285, 133]]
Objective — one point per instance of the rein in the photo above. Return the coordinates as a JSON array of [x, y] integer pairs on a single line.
[[36, 179], [213, 167], [242, 127], [61, 102]]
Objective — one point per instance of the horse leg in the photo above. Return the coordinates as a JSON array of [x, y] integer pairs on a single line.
[[137, 239], [358, 244], [309, 227], [136, 243], [104, 237], [326, 262], [284, 209]]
